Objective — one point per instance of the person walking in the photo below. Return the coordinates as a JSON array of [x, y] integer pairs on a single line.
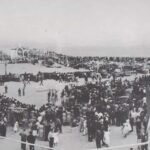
[[23, 139], [31, 139]]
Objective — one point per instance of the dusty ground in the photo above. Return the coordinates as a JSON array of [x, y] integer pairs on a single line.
[[71, 139]]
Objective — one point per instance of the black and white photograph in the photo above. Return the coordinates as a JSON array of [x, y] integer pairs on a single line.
[[74, 74]]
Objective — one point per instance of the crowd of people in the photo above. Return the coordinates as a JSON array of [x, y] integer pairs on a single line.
[[61, 77], [38, 122], [94, 107], [115, 102]]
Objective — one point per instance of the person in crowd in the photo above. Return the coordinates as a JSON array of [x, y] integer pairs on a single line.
[[106, 132], [98, 138], [31, 139], [56, 138], [23, 91], [106, 138], [41, 131], [28, 79], [58, 125], [47, 128], [85, 127], [34, 129], [138, 127], [3, 128], [23, 136], [41, 79], [48, 95], [6, 89], [51, 138], [16, 126], [19, 92], [91, 127], [144, 138], [81, 124], [24, 84], [126, 128]]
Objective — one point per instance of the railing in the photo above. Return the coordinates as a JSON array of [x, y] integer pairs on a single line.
[[37, 146]]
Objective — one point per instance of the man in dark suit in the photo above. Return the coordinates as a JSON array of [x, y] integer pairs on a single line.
[[98, 138], [23, 139], [31, 139]]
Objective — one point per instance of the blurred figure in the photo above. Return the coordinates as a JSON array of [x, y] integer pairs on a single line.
[[23, 91], [16, 126], [31, 139], [6, 89], [126, 128], [98, 138], [51, 138], [23, 139], [144, 138], [19, 92]]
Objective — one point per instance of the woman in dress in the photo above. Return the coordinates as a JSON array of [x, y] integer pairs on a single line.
[[81, 124], [106, 132], [107, 138], [16, 126], [85, 127], [56, 139], [126, 128], [41, 131]]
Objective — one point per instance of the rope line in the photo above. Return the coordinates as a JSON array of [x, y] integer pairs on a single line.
[[21, 142], [108, 148]]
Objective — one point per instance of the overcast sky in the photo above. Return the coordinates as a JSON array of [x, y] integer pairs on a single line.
[[77, 27]]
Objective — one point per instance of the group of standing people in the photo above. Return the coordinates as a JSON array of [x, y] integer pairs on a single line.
[[95, 125], [30, 138]]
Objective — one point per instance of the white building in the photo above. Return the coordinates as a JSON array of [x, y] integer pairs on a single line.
[[16, 53]]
